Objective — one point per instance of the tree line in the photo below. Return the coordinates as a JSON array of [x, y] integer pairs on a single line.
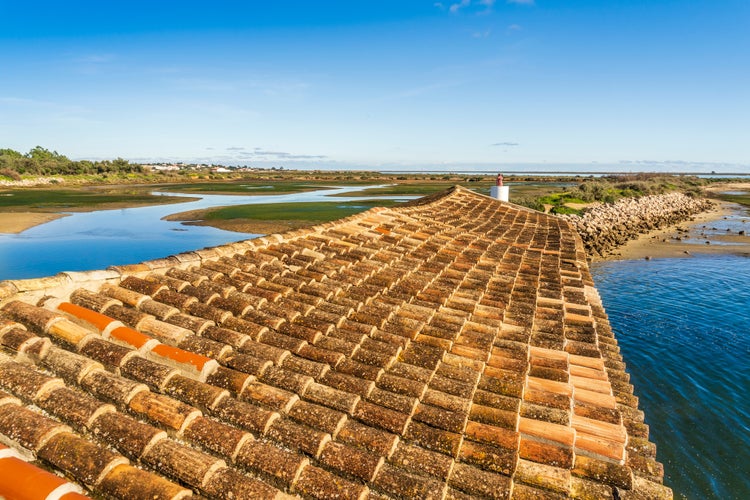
[[41, 161]]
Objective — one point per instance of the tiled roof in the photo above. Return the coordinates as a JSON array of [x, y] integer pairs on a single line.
[[455, 347]]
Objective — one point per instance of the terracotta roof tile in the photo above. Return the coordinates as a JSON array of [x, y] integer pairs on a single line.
[[452, 347], [318, 417], [279, 466], [319, 483], [79, 458], [402, 484], [25, 382], [297, 436], [479, 482], [369, 438], [32, 483], [182, 462], [73, 407], [245, 415], [110, 387], [333, 398], [29, 429], [228, 483], [131, 437]]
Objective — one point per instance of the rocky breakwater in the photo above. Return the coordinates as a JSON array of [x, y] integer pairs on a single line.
[[606, 227]]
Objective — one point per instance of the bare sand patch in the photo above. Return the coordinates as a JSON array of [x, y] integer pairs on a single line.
[[728, 186], [18, 222]]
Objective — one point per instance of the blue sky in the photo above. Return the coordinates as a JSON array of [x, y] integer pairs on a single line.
[[409, 84]]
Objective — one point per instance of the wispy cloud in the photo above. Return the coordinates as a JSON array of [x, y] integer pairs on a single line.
[[94, 58], [268, 86], [283, 155], [482, 34], [35, 117], [505, 144], [204, 84], [473, 5], [92, 63], [460, 5], [37, 106], [260, 154], [422, 90]]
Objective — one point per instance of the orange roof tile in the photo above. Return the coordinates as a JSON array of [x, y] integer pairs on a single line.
[[450, 347]]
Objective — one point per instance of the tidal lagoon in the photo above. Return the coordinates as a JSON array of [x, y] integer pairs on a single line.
[[96, 240]]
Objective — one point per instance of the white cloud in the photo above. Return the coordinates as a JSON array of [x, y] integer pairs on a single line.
[[458, 6], [95, 58], [471, 5]]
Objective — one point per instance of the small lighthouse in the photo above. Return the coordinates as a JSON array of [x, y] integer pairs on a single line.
[[498, 191]]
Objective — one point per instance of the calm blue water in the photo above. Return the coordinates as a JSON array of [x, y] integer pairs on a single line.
[[683, 326], [97, 240]]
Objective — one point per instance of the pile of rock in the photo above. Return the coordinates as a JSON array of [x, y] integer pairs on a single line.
[[605, 227]]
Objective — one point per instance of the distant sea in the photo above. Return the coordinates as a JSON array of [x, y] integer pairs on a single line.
[[683, 326], [562, 173]]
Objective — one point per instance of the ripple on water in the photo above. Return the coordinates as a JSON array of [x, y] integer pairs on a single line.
[[684, 329]]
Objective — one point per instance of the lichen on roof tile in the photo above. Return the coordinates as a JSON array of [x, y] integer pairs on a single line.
[[451, 347]]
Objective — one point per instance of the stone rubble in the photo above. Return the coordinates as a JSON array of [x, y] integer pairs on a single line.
[[606, 227]]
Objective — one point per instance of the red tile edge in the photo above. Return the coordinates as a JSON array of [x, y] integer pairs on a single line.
[[129, 336], [98, 320], [23, 481]]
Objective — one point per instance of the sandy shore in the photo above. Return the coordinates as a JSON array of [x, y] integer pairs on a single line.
[[18, 222], [671, 242]]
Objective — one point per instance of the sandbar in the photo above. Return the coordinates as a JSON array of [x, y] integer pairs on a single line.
[[18, 222]]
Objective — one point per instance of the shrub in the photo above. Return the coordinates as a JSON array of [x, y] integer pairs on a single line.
[[10, 174]]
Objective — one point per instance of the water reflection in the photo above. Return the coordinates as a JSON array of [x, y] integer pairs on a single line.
[[97, 240]]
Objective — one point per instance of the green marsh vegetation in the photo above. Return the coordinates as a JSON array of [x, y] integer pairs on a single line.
[[56, 199], [314, 212], [254, 187], [741, 199]]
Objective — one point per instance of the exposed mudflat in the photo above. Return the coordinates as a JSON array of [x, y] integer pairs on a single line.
[[17, 222]]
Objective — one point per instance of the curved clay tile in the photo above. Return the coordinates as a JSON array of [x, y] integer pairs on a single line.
[[451, 347]]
